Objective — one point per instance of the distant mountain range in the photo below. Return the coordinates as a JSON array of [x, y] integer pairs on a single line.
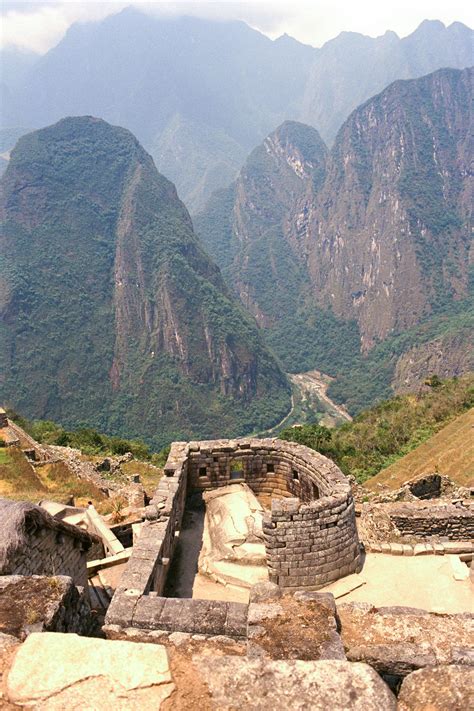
[[354, 258], [112, 315], [200, 95]]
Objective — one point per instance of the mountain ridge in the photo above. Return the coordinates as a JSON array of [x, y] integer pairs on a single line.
[[106, 285], [377, 247], [228, 86]]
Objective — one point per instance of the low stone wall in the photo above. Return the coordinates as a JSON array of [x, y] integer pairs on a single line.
[[38, 603], [453, 522], [310, 540]]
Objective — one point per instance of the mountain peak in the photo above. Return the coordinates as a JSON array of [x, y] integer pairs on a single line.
[[130, 305]]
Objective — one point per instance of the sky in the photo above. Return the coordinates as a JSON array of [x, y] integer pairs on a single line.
[[39, 25]]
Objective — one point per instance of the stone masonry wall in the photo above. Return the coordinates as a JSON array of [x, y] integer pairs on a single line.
[[36, 603], [49, 552], [138, 602], [311, 536], [454, 522]]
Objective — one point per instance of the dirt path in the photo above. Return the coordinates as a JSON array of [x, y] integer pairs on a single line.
[[280, 424], [316, 383]]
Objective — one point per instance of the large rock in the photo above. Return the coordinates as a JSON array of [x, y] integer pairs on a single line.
[[37, 603], [8, 645], [53, 672], [300, 626], [233, 549], [399, 640], [443, 688], [259, 685]]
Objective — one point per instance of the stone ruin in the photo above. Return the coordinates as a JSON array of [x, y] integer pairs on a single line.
[[35, 543], [288, 647], [310, 532]]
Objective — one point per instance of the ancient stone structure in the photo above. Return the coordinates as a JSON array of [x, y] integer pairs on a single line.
[[35, 543], [444, 520], [37, 603], [310, 533]]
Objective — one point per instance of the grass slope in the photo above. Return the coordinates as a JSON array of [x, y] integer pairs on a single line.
[[378, 437], [450, 451]]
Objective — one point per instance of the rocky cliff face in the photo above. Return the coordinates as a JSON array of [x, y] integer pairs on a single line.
[[258, 251], [374, 233], [112, 312], [389, 235], [446, 356]]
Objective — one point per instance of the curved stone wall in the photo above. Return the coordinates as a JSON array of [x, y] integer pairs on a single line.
[[310, 533]]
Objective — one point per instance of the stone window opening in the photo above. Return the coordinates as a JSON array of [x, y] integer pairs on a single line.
[[296, 476], [315, 491], [59, 538], [236, 469], [215, 460], [202, 471], [270, 468]]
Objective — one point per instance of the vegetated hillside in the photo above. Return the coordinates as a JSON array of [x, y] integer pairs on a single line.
[[450, 452], [254, 229], [21, 481], [112, 314], [378, 437], [201, 94], [441, 345], [364, 249]]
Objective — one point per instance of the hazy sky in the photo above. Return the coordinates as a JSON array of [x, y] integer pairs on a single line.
[[39, 25]]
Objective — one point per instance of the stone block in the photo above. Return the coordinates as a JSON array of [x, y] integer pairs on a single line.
[[121, 608], [110, 674], [236, 620], [437, 689], [147, 612], [258, 684]]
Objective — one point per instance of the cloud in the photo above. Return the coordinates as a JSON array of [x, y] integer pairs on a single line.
[[40, 25]]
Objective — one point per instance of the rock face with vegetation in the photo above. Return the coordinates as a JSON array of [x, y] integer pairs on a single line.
[[365, 243], [112, 312]]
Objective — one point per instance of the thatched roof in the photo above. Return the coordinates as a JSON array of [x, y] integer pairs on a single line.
[[18, 518]]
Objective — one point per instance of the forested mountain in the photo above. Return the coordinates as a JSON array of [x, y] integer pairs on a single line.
[[336, 253], [112, 314], [200, 95]]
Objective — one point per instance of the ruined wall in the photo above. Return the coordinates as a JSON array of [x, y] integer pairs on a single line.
[[418, 520], [138, 602], [264, 465], [44, 604], [47, 551]]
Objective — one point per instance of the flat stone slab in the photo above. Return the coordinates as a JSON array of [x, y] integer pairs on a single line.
[[259, 685], [460, 570], [54, 671], [345, 585]]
